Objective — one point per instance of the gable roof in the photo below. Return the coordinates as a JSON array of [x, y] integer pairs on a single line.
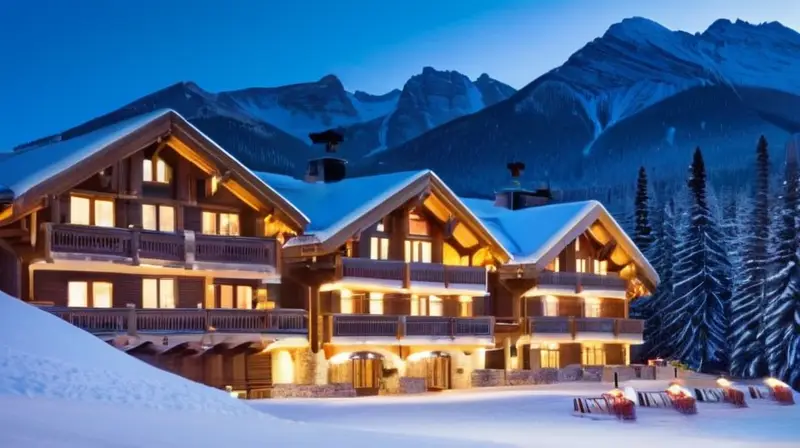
[[537, 235], [31, 173], [338, 210]]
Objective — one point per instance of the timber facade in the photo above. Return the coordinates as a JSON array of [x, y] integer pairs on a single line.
[[161, 243]]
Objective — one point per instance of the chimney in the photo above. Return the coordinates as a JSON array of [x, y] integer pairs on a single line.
[[515, 197], [329, 168]]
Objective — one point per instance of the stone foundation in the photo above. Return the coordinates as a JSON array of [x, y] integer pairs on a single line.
[[488, 378], [312, 391], [403, 385]]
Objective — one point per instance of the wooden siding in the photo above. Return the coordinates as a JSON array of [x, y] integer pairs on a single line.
[[51, 286], [9, 271]]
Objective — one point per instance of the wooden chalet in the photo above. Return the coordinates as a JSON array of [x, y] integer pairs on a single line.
[[394, 272], [148, 234]]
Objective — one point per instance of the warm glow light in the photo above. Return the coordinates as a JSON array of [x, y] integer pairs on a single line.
[[615, 393], [339, 358], [419, 355], [774, 382], [675, 389], [345, 293], [723, 382]]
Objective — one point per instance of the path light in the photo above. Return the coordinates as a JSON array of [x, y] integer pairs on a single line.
[[724, 383]]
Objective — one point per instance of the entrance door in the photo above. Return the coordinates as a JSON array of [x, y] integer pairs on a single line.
[[438, 372], [366, 375]]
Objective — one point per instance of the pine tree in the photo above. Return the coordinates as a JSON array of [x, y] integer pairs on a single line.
[[747, 351], [643, 232], [657, 340], [778, 329], [701, 286]]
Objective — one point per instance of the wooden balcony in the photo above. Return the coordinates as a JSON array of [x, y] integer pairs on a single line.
[[580, 281], [182, 320], [585, 327], [368, 325], [134, 245], [406, 275]]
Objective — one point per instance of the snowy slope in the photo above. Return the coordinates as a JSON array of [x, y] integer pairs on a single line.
[[62, 387]]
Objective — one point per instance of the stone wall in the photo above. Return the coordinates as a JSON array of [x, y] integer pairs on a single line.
[[402, 385], [304, 366], [488, 377], [337, 390]]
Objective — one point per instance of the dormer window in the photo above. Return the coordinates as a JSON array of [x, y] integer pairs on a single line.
[[156, 171]]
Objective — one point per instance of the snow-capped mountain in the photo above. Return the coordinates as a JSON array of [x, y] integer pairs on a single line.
[[267, 128], [639, 95]]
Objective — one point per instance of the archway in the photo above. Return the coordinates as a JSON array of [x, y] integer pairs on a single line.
[[434, 366], [363, 369]]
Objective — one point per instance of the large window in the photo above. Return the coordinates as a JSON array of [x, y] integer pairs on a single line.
[[379, 248], [435, 306], [591, 307], [239, 296], [418, 251], [375, 303], [158, 172], [158, 293], [91, 212], [415, 305], [554, 266], [465, 306], [580, 265], [417, 225], [221, 223], [550, 306], [550, 357], [593, 355], [89, 294], [601, 267], [158, 217], [346, 302]]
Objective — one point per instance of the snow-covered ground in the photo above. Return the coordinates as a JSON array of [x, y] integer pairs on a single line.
[[541, 416], [62, 387]]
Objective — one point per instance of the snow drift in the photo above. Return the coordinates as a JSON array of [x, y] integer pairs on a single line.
[[43, 356]]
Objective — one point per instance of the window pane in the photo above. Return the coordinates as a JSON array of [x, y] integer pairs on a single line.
[[77, 294], [417, 225], [233, 223], [166, 293], [149, 293], [384, 248], [415, 305], [374, 248], [244, 297], [434, 306], [409, 255], [162, 172], [79, 210], [465, 306], [149, 221], [101, 295], [375, 303], [166, 218], [226, 296], [147, 170], [550, 306], [209, 223], [426, 251], [103, 213]]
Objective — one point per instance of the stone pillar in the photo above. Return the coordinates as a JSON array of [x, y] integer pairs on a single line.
[[319, 367], [507, 353], [282, 367], [626, 353]]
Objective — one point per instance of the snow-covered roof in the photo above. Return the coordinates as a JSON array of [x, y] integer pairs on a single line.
[[26, 168], [23, 170], [333, 206], [531, 234]]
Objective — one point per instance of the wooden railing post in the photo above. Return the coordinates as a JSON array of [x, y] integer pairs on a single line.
[[135, 241], [401, 326], [406, 275], [446, 275], [132, 329], [572, 328]]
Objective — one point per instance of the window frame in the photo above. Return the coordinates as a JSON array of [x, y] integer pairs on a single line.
[[93, 200], [159, 298], [158, 209], [218, 222], [413, 247], [381, 244], [89, 291], [168, 172], [417, 217]]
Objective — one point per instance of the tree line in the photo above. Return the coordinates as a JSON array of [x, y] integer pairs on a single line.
[[729, 297]]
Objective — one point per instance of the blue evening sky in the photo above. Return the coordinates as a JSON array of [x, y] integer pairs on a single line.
[[63, 62]]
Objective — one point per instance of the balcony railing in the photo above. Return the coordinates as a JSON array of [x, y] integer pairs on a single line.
[[366, 325], [179, 247], [409, 273], [611, 281], [574, 327], [182, 320]]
